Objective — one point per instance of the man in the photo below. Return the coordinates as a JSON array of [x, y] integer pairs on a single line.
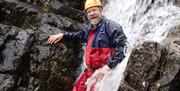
[[105, 43]]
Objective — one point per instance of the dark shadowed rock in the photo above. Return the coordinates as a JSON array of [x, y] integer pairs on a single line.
[[142, 66], [169, 80], [152, 67], [7, 82], [54, 65], [77, 4], [60, 22], [177, 2], [70, 12], [68, 8], [17, 14], [14, 46], [25, 53]]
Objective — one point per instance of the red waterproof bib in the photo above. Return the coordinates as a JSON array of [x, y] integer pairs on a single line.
[[95, 58]]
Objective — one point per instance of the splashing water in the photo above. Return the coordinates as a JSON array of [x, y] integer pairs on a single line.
[[141, 20]]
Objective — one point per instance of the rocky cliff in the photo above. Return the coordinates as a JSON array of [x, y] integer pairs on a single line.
[[27, 61], [153, 66]]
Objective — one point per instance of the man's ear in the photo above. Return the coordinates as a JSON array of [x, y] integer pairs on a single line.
[[101, 9]]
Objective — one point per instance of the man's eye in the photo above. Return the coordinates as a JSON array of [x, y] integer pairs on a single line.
[[88, 11], [93, 10]]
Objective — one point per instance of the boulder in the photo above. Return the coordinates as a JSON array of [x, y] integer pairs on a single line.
[[153, 66], [177, 2], [7, 82], [142, 67], [169, 79], [14, 45]]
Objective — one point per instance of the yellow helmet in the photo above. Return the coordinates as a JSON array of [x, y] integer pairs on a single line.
[[92, 3]]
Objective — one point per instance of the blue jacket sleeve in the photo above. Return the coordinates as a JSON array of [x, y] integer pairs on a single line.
[[80, 35], [118, 43]]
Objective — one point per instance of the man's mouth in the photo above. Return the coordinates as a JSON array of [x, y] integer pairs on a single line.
[[93, 17]]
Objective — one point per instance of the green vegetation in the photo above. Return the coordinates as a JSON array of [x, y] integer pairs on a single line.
[[31, 20], [44, 4], [54, 68], [53, 72]]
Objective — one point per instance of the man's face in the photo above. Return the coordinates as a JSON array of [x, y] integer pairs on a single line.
[[94, 15]]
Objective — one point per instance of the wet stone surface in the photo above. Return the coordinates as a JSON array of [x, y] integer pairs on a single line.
[[25, 53]]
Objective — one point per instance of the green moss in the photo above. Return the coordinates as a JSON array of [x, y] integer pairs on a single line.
[[31, 20], [43, 4], [45, 9], [54, 67], [145, 75], [53, 70]]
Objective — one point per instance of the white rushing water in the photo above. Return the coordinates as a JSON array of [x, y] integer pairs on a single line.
[[141, 20]]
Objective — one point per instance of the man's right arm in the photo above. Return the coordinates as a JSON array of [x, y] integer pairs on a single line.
[[80, 35]]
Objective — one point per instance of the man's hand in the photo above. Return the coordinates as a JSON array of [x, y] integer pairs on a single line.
[[55, 38], [102, 72]]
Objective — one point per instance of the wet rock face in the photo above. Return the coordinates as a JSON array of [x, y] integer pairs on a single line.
[[77, 4], [154, 67], [69, 8], [177, 2], [15, 43], [172, 65], [54, 65], [6, 82], [17, 14], [13, 47], [27, 61], [142, 67]]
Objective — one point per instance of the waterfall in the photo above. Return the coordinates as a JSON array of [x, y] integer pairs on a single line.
[[141, 20]]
